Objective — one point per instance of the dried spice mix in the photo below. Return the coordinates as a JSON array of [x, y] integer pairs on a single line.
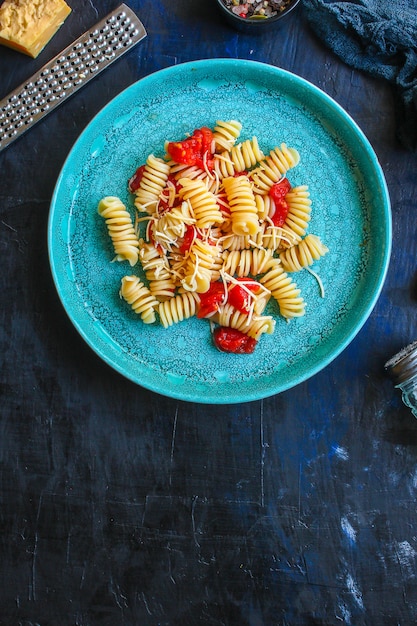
[[256, 9]]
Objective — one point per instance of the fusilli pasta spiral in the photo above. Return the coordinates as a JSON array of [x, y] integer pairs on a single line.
[[242, 205], [274, 167], [140, 298], [226, 133], [299, 212], [120, 228], [246, 154], [247, 262], [284, 290], [152, 184], [202, 201], [198, 267], [181, 307], [304, 254], [253, 326]]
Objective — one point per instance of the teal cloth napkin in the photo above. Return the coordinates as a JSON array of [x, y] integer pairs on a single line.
[[378, 37]]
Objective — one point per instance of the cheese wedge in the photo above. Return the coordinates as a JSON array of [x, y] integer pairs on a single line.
[[28, 25]]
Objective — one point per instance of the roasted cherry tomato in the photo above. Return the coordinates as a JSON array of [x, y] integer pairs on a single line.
[[278, 193], [195, 150], [134, 181], [191, 233], [232, 340], [239, 297], [205, 135], [211, 299]]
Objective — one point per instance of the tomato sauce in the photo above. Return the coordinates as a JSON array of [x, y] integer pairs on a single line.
[[134, 182], [211, 299], [232, 340], [278, 192], [195, 150]]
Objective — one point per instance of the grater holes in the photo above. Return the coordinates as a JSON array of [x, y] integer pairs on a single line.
[[10, 127], [75, 66]]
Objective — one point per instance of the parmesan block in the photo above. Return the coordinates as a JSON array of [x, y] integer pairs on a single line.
[[28, 25]]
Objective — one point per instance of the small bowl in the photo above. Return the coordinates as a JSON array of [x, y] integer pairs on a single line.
[[256, 26]]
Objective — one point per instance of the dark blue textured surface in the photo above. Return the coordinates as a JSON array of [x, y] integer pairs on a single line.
[[121, 507]]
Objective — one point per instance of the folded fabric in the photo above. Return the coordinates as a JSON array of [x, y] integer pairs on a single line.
[[378, 37]]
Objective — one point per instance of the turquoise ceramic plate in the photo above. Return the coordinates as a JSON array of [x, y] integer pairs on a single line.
[[350, 212]]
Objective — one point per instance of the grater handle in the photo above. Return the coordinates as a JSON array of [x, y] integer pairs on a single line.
[[70, 70]]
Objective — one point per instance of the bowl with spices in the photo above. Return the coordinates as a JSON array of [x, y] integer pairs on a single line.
[[255, 17]]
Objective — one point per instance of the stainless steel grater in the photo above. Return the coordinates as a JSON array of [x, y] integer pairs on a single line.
[[75, 66]]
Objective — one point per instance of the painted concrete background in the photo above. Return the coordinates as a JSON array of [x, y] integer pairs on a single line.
[[119, 506]]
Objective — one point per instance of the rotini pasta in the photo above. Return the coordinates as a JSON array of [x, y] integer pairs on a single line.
[[120, 228], [304, 254], [265, 206], [140, 298], [152, 183], [242, 205], [253, 326], [199, 263], [203, 202], [225, 134], [274, 167], [268, 237], [221, 228], [246, 155], [299, 211], [284, 290], [247, 262], [223, 165], [236, 242], [181, 307]]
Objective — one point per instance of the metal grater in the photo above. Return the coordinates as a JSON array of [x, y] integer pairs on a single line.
[[68, 71]]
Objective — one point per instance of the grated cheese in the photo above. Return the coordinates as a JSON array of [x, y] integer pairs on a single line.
[[317, 277]]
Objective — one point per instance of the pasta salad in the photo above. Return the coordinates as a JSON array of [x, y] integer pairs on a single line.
[[218, 231]]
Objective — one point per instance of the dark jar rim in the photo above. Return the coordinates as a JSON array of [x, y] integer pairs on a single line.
[[403, 365]]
